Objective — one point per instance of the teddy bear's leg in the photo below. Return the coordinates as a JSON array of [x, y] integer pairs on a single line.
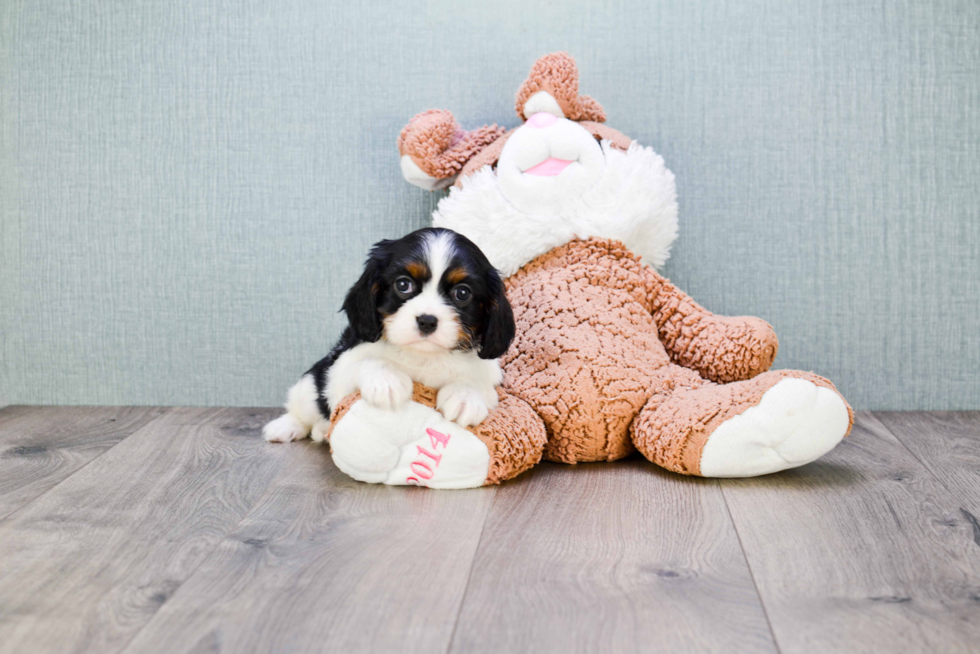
[[778, 420], [416, 445]]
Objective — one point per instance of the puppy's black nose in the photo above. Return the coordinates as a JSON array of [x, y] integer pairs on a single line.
[[427, 324]]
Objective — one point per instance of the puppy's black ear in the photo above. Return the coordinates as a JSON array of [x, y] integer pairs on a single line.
[[361, 303], [499, 326]]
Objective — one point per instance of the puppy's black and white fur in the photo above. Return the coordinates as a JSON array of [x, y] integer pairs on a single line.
[[430, 308]]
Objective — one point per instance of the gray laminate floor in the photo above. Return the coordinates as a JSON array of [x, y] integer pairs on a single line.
[[180, 530]]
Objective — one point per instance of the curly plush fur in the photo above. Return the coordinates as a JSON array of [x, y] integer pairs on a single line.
[[557, 75], [439, 146]]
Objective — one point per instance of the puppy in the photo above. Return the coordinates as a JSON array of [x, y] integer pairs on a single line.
[[429, 308]]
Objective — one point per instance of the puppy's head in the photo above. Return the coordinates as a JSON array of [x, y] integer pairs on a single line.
[[433, 291]]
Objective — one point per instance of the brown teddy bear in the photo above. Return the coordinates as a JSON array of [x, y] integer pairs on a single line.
[[609, 355]]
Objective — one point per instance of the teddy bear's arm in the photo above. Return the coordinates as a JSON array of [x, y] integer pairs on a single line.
[[434, 147], [720, 348]]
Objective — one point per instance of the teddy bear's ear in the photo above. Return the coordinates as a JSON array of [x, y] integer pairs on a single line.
[[541, 102], [552, 87], [434, 148]]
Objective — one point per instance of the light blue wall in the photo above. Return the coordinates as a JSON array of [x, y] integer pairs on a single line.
[[187, 188]]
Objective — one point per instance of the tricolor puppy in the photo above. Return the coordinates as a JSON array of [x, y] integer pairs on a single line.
[[429, 308]]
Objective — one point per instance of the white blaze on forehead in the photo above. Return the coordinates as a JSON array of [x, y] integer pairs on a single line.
[[401, 328], [440, 251]]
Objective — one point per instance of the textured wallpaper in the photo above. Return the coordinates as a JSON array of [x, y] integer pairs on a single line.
[[187, 188]]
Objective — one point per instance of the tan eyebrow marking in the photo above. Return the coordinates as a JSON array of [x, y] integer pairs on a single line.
[[456, 275], [417, 269]]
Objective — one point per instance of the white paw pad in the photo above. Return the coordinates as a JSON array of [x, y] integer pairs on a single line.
[[413, 445], [284, 429], [464, 406], [386, 388], [794, 423], [415, 175]]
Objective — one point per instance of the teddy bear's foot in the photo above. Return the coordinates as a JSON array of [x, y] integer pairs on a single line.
[[776, 421], [795, 422], [386, 447], [413, 445]]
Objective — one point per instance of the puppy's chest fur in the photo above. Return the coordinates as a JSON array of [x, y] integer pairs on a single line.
[[435, 370]]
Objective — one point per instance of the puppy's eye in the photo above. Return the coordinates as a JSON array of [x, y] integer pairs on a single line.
[[404, 285], [462, 294]]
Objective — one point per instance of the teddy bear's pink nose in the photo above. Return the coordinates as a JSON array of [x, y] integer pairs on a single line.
[[542, 119]]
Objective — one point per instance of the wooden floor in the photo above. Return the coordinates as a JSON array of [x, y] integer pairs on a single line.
[[180, 530]]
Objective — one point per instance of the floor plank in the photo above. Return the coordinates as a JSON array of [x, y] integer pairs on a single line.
[[40, 446], [328, 564], [861, 551], [948, 444], [86, 565], [620, 557], [135, 530]]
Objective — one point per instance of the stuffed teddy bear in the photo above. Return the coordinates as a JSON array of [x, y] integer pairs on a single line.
[[609, 357]]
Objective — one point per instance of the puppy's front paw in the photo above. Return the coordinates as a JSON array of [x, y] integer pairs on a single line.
[[386, 388], [463, 405]]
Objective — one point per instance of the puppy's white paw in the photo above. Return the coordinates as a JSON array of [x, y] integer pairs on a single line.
[[386, 388], [462, 404], [285, 429]]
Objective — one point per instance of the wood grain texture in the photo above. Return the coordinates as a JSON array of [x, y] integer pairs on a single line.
[[621, 557], [40, 446], [193, 535], [84, 567], [861, 551], [948, 444], [328, 564]]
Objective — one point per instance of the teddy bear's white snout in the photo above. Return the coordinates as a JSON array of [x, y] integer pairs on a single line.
[[547, 162]]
